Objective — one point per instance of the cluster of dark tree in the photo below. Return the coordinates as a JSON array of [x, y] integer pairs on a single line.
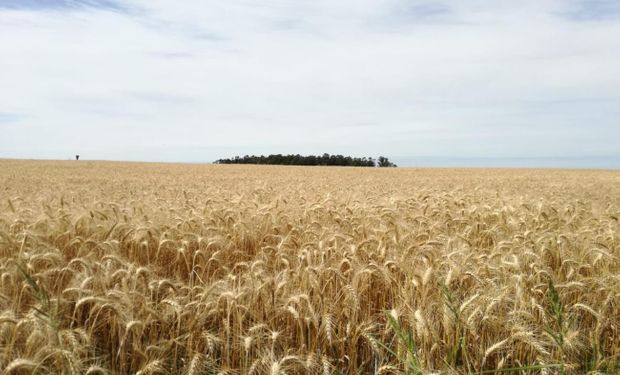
[[325, 159]]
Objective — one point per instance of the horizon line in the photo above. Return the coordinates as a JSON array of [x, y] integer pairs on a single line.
[[422, 163]]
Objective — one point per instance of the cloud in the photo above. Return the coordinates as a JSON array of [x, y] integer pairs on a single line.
[[409, 79]]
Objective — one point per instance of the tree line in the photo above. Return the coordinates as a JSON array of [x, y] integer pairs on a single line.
[[325, 159]]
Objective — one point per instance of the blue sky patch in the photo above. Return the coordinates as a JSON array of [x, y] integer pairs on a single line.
[[59, 4], [593, 10], [6, 117]]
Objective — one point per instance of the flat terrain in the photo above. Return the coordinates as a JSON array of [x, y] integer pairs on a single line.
[[162, 268]]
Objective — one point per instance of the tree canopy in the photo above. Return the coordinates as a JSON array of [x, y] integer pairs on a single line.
[[296, 159]]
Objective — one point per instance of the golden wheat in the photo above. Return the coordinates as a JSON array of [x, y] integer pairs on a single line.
[[161, 268]]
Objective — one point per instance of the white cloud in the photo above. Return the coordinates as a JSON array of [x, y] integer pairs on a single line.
[[158, 81]]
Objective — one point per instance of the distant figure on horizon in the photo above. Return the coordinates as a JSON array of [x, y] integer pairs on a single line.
[[77, 157]]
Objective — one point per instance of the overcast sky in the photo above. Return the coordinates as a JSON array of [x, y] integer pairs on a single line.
[[467, 82]]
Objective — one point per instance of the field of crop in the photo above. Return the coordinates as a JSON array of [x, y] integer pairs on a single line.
[[204, 269]]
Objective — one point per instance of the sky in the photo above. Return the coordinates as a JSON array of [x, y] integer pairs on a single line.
[[532, 83]]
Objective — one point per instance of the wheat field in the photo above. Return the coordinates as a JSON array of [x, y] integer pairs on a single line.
[[119, 268]]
